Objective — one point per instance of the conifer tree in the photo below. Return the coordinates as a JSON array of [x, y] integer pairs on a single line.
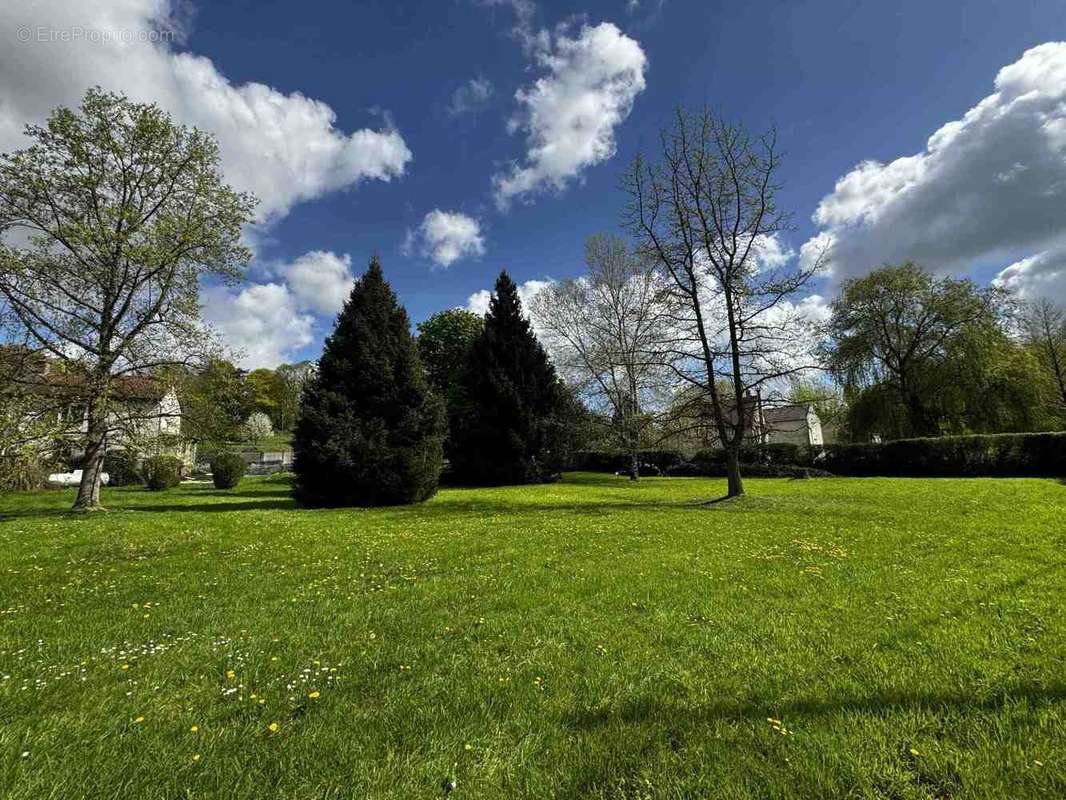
[[512, 428], [370, 429]]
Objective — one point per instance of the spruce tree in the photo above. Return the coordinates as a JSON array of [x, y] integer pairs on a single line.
[[510, 430], [370, 429]]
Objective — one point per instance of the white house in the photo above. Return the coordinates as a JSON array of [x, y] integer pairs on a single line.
[[145, 414], [791, 424]]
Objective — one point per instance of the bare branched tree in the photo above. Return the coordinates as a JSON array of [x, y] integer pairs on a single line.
[[605, 331], [706, 211], [1045, 328], [108, 220]]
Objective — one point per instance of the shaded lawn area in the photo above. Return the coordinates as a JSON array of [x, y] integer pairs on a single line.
[[592, 638]]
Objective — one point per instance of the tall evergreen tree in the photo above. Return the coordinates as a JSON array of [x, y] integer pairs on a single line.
[[370, 430], [512, 429]]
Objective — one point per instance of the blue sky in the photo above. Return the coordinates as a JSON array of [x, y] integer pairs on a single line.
[[845, 82]]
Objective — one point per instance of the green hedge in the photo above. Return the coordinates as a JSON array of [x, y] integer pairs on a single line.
[[991, 455], [613, 461], [984, 455], [716, 469]]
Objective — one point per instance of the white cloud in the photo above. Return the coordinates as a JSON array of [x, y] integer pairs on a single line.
[[478, 302], [770, 253], [319, 280], [471, 97], [445, 237], [260, 322], [989, 185], [283, 147], [1042, 275], [570, 114]]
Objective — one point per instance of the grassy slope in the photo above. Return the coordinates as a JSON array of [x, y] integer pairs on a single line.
[[590, 638]]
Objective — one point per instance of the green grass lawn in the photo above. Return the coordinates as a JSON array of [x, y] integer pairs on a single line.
[[592, 638]]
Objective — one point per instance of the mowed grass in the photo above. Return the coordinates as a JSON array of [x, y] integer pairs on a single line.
[[592, 638]]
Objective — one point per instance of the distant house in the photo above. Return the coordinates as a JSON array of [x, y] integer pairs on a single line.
[[145, 413], [791, 424], [765, 423]]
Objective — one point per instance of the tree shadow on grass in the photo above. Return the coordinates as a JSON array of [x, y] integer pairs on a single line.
[[876, 703]]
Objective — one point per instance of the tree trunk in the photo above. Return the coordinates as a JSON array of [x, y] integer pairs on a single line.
[[634, 465], [735, 484], [88, 498]]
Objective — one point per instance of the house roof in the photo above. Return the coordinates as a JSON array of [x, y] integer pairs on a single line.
[[35, 376], [790, 413]]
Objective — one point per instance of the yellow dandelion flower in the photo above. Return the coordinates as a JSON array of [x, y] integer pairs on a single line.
[[231, 674], [313, 695], [194, 729], [196, 757], [273, 726], [138, 721], [915, 752], [468, 746], [125, 666]]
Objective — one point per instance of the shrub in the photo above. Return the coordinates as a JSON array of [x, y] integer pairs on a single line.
[[20, 473], [983, 455], [227, 469], [121, 469], [162, 472]]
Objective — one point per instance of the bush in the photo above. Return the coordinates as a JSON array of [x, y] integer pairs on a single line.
[[162, 472], [984, 455], [227, 469], [121, 469], [21, 474]]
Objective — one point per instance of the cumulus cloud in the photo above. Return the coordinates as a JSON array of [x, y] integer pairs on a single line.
[[770, 252], [569, 115], [478, 302], [319, 280], [471, 97], [261, 322], [283, 147], [1039, 276], [445, 237], [989, 185]]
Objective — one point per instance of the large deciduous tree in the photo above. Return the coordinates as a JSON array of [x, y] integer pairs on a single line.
[[607, 330], [370, 430], [513, 427], [444, 342], [706, 212], [923, 356], [108, 221], [291, 379]]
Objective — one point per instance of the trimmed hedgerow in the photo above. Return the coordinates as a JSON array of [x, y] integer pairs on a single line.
[[613, 461], [982, 455]]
